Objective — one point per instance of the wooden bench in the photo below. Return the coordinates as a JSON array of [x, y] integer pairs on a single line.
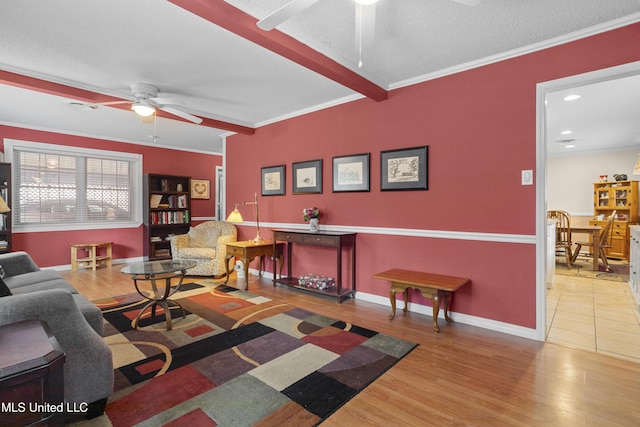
[[92, 259], [432, 286]]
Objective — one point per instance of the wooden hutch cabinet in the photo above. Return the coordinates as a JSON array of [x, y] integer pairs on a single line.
[[621, 196], [167, 212]]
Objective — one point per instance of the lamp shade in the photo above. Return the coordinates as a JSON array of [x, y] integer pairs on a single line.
[[235, 216], [3, 206]]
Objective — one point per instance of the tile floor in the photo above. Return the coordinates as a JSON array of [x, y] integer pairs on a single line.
[[595, 315]]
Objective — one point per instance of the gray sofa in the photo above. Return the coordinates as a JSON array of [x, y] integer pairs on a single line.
[[76, 323]]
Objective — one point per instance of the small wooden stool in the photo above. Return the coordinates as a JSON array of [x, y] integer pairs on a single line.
[[92, 260]]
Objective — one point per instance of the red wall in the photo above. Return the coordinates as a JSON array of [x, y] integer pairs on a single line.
[[480, 126], [53, 248]]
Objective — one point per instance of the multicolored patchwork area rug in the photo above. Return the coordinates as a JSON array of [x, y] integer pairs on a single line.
[[237, 359]]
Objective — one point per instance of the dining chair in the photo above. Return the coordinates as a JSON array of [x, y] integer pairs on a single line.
[[605, 242], [563, 233]]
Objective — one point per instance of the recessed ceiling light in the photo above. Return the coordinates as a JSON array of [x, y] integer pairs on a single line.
[[572, 97], [566, 132]]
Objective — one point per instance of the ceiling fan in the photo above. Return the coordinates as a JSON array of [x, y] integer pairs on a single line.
[[145, 101], [296, 6]]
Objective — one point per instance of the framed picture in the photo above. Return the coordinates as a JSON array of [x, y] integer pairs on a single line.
[[351, 173], [200, 189], [307, 177], [404, 169], [273, 181]]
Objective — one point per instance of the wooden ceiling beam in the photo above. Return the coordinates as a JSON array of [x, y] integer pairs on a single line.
[[244, 25], [57, 89]]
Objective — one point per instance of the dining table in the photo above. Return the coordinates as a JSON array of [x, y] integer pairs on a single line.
[[594, 231]]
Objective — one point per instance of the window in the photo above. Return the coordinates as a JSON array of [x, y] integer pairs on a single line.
[[60, 188]]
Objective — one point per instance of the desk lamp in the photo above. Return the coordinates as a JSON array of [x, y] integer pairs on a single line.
[[236, 217]]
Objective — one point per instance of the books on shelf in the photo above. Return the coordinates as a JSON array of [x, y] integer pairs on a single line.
[[162, 253], [154, 201], [169, 217]]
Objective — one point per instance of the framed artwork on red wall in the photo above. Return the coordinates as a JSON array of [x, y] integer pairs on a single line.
[[351, 173], [307, 177], [273, 181], [200, 189], [404, 169]]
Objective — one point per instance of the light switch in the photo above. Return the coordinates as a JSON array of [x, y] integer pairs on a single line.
[[527, 177]]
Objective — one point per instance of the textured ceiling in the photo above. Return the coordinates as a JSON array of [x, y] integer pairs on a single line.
[[104, 46]]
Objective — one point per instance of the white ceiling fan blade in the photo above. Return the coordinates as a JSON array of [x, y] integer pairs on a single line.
[[166, 101], [113, 103], [285, 12], [176, 112], [468, 2]]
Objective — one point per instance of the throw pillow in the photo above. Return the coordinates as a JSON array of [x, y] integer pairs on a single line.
[[197, 238], [212, 238], [4, 289]]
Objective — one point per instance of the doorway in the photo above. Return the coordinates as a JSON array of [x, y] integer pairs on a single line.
[[220, 193], [544, 146]]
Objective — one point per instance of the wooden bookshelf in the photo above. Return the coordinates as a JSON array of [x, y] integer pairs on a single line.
[[167, 206]]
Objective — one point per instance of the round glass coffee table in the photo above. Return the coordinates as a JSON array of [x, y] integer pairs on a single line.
[[154, 272]]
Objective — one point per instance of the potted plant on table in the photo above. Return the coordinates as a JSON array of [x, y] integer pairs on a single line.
[[312, 215]]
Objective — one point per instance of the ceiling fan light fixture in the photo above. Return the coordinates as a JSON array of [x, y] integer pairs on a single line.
[[366, 2], [142, 108], [572, 97]]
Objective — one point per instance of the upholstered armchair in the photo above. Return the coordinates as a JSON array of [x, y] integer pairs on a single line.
[[206, 244]]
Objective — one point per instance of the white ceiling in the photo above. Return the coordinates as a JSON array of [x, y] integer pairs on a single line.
[[104, 46]]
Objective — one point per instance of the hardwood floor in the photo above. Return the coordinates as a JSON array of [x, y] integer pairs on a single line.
[[463, 376]]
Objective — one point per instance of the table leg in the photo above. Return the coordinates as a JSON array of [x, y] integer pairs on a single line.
[[392, 299], [94, 262], [405, 296], [226, 266], [596, 249], [246, 271], [447, 302], [159, 298], [435, 301]]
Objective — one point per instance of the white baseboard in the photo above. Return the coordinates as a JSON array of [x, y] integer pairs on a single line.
[[67, 267], [480, 322]]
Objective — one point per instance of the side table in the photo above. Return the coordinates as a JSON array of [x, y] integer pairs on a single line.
[[31, 375], [154, 272], [248, 250], [92, 259]]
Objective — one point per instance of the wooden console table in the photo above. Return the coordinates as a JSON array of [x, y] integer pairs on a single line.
[[432, 286], [31, 375], [337, 240]]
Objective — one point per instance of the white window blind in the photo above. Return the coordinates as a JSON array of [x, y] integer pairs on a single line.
[[73, 188]]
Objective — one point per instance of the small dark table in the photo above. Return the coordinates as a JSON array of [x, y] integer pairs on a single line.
[[31, 375], [336, 240], [154, 271]]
